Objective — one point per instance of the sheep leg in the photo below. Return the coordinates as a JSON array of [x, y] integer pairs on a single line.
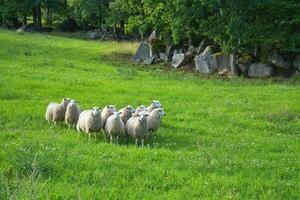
[[136, 142], [89, 136], [117, 139], [95, 137], [142, 142], [111, 139]]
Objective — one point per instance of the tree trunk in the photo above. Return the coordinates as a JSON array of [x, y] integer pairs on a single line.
[[34, 17], [39, 17], [3, 21], [49, 17], [25, 20], [122, 27]]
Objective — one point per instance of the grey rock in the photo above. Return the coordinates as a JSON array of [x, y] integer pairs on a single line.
[[101, 34], [26, 29], [178, 60], [177, 51], [191, 50], [163, 56], [152, 36], [233, 67], [296, 63], [168, 50], [243, 68], [142, 53], [205, 63], [278, 61], [149, 61], [222, 62], [260, 70], [201, 47]]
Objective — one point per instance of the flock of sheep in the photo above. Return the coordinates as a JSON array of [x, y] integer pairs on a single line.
[[127, 122]]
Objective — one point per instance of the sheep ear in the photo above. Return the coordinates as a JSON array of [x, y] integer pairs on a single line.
[[120, 112]]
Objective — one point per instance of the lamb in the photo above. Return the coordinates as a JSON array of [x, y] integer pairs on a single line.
[[126, 113], [56, 112], [106, 112], [154, 119], [114, 127], [136, 127], [90, 121], [153, 105], [72, 113]]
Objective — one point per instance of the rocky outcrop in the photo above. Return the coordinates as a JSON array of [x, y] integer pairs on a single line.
[[178, 60], [205, 63], [149, 61], [102, 34], [221, 62], [279, 62], [260, 70], [142, 53], [296, 63]]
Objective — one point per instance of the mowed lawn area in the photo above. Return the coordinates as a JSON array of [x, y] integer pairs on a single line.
[[221, 139]]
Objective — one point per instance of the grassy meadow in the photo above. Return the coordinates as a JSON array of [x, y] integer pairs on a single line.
[[221, 138]]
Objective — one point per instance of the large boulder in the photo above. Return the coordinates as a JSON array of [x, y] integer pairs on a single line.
[[205, 63], [222, 62], [278, 61], [179, 60], [163, 56], [26, 29], [243, 68], [296, 63], [260, 70], [233, 65], [152, 37], [149, 61], [142, 53], [168, 51]]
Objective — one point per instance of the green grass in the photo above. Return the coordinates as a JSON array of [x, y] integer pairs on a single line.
[[221, 139]]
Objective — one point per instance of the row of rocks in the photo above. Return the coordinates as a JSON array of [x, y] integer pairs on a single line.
[[29, 28], [208, 62], [102, 34]]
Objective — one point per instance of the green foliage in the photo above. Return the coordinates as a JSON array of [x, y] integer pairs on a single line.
[[246, 27]]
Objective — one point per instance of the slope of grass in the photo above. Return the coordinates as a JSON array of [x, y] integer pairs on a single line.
[[221, 139]]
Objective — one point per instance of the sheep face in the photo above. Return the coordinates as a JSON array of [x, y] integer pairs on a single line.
[[143, 116], [142, 108], [111, 109], [72, 103], [65, 101], [130, 108], [96, 111], [161, 112], [117, 115], [156, 104]]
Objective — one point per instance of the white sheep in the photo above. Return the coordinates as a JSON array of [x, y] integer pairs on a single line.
[[153, 105], [136, 127], [106, 112], [72, 113], [154, 119], [126, 113], [114, 127], [56, 112], [139, 109], [90, 121]]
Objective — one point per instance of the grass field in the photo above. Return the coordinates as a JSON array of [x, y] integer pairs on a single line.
[[221, 139]]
